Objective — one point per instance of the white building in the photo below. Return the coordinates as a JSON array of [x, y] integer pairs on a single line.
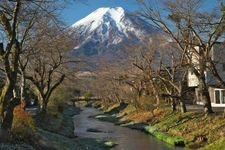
[[217, 95]]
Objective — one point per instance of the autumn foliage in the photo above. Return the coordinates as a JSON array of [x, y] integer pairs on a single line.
[[23, 126]]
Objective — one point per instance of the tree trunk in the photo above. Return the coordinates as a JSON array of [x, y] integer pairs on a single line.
[[22, 86], [6, 96], [155, 92], [43, 104], [8, 104], [173, 104], [181, 100], [183, 108], [43, 108], [22, 89], [8, 114], [204, 96], [172, 100]]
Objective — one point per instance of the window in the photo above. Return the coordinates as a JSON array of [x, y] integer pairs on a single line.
[[223, 97], [219, 96]]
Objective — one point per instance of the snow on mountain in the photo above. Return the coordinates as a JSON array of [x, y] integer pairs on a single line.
[[109, 28], [95, 19]]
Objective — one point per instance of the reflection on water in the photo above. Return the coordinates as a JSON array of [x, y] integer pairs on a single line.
[[127, 139]]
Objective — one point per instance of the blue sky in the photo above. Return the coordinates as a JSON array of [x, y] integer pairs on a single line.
[[76, 10]]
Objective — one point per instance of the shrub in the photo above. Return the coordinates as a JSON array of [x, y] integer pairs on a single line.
[[23, 127]]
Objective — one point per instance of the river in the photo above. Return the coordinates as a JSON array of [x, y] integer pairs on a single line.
[[127, 139]]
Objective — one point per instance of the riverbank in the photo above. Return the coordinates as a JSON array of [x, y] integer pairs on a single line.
[[55, 131], [124, 138], [194, 128]]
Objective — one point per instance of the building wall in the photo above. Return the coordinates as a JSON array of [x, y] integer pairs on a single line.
[[192, 78], [218, 56]]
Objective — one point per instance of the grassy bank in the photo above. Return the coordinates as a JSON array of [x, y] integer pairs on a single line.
[[193, 128], [53, 131], [56, 131]]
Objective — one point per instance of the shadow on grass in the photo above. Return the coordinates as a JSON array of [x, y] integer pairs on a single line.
[[118, 109], [136, 126], [185, 118], [108, 118], [93, 130]]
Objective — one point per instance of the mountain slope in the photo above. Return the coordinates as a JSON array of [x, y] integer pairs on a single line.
[[106, 30]]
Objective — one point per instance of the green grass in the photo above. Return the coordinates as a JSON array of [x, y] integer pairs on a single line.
[[192, 129], [217, 145], [176, 141], [111, 114]]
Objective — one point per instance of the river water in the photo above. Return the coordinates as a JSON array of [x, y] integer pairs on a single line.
[[127, 139]]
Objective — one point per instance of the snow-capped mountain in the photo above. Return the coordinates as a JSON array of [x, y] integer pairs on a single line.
[[106, 30]]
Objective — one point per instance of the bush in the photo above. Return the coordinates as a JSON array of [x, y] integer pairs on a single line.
[[23, 127]]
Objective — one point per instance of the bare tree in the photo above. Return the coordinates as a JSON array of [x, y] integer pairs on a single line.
[[174, 81], [162, 71], [10, 57], [46, 67], [193, 30], [146, 62], [17, 21]]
